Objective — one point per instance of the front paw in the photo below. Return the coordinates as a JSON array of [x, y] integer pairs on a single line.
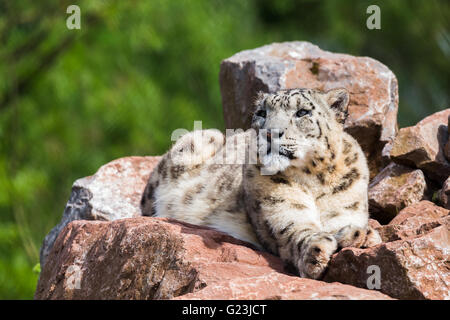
[[372, 238], [315, 255], [351, 236]]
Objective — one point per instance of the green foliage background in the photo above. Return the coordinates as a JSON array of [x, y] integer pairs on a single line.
[[72, 100]]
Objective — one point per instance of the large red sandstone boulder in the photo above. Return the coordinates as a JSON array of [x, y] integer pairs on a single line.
[[113, 192], [423, 145], [393, 189], [373, 88], [156, 258], [414, 266]]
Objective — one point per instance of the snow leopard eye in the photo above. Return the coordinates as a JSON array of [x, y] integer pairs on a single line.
[[302, 112], [261, 113]]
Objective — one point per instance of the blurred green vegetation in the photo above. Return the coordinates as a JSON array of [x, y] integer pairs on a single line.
[[72, 100]]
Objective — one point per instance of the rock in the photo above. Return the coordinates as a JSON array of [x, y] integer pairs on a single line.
[[278, 286], [157, 258], [113, 192], [374, 224], [422, 146], [393, 189], [373, 88], [415, 267], [418, 214], [444, 194], [414, 220]]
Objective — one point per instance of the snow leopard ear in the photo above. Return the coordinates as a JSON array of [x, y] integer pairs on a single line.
[[337, 100]]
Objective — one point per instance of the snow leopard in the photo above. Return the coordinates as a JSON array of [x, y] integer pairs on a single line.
[[294, 184]]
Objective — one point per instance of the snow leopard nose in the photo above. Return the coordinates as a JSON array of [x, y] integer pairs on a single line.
[[276, 132]]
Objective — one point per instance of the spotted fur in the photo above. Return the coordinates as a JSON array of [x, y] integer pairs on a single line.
[[302, 202]]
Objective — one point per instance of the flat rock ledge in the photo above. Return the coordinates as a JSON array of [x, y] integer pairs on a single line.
[[157, 258]]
